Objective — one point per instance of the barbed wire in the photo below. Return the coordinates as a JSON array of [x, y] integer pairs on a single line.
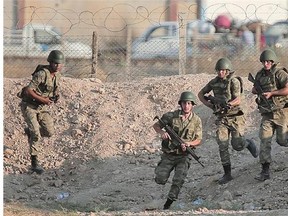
[[113, 63], [128, 15], [251, 12]]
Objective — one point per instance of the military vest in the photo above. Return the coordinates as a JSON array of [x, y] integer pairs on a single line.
[[47, 88], [185, 130], [270, 83], [222, 90]]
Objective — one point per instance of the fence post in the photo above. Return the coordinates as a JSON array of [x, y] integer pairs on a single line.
[[182, 45], [94, 53], [195, 51], [258, 38], [128, 50]]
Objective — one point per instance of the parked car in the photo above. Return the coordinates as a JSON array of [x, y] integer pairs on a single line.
[[282, 43], [162, 40], [276, 32], [38, 40]]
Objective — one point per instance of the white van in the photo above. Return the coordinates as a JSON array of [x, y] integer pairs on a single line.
[[37, 40]]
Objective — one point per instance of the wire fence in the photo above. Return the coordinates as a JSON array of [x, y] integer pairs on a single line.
[[113, 58]]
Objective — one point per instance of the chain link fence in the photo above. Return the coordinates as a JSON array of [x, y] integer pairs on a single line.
[[114, 61], [117, 53]]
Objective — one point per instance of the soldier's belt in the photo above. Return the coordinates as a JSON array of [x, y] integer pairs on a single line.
[[175, 152], [33, 103]]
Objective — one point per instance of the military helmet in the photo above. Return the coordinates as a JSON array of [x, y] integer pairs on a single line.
[[56, 56], [223, 63], [187, 96], [268, 55]]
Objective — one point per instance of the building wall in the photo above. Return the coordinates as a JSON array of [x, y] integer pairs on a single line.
[[106, 17]]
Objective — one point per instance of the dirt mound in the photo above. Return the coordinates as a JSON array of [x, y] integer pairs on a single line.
[[105, 151]]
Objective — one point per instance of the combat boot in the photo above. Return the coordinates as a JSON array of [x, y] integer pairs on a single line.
[[168, 204], [34, 165], [264, 175], [227, 175], [252, 148]]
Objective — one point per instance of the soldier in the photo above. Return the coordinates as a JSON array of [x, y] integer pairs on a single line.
[[36, 98], [189, 127], [227, 90], [273, 80]]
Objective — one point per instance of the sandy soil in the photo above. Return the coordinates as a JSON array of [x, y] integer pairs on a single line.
[[104, 154]]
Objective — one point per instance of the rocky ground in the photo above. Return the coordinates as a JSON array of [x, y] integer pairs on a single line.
[[105, 150]]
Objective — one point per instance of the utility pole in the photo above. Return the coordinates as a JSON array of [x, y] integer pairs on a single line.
[[201, 4], [15, 14]]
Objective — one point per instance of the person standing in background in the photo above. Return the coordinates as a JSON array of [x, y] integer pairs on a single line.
[[247, 37]]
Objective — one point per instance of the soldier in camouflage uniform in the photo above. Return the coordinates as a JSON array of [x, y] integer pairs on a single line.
[[273, 81], [189, 127], [36, 98], [230, 117]]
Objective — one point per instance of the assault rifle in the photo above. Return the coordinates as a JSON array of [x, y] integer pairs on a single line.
[[221, 105], [179, 141], [260, 91]]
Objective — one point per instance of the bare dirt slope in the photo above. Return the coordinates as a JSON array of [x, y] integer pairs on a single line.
[[105, 151]]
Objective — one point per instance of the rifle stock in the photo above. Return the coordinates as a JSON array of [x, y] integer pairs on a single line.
[[175, 136]]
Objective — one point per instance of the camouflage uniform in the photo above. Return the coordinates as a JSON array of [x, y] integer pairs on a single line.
[[37, 115], [172, 158], [275, 120], [227, 90], [233, 121]]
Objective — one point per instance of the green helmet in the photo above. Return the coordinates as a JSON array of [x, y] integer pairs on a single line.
[[222, 64], [268, 55], [187, 96], [56, 56]]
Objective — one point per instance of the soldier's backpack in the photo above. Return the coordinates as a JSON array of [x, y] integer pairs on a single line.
[[241, 83], [21, 94]]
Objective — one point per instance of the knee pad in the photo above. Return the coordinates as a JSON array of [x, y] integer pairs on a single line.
[[238, 148], [238, 144], [48, 133], [160, 181]]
